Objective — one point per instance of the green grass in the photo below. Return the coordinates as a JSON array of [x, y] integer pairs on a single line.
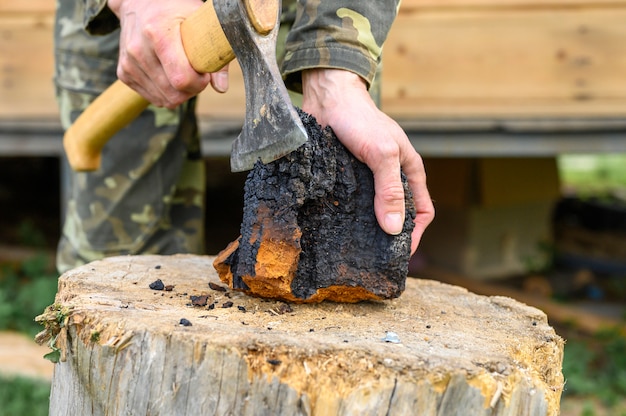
[[24, 293], [593, 174], [596, 367], [23, 396], [28, 288]]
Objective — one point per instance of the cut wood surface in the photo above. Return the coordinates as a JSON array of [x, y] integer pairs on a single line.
[[583, 320], [436, 350]]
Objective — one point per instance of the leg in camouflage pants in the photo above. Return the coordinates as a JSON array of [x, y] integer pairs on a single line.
[[148, 196]]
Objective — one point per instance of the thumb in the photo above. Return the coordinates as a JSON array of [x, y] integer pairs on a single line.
[[219, 80], [389, 198]]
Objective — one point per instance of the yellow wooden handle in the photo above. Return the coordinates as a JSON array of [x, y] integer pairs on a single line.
[[205, 44], [207, 49], [114, 109]]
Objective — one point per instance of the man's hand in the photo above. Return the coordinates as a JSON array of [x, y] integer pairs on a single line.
[[339, 99], [152, 59]]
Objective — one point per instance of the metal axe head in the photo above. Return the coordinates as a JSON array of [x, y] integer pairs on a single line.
[[272, 127]]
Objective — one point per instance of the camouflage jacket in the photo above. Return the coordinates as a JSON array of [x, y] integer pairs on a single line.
[[343, 34]]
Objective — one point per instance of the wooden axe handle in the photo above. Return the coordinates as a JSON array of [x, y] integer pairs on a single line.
[[207, 49]]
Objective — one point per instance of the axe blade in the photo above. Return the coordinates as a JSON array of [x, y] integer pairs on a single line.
[[272, 127], [275, 132]]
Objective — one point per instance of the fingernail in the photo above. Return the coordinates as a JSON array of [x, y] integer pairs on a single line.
[[394, 223], [220, 81]]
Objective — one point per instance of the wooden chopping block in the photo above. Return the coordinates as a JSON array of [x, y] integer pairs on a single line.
[[436, 350], [309, 232]]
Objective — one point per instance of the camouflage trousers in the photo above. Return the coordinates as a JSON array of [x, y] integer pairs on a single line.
[[147, 197], [149, 194]]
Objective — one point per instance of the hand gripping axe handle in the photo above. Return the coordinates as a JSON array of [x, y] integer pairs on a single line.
[[214, 35]]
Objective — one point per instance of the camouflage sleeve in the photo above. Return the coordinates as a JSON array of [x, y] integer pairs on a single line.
[[98, 18], [344, 34]]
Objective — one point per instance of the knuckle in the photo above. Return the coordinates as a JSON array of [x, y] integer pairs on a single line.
[[120, 72], [392, 193], [387, 149], [152, 32], [123, 72], [133, 48], [374, 150], [180, 82]]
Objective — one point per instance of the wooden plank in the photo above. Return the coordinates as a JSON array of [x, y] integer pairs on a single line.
[[449, 63], [531, 62], [499, 4], [26, 66], [443, 59], [36, 6], [27, 6]]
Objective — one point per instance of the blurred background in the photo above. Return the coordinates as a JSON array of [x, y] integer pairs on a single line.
[[519, 110]]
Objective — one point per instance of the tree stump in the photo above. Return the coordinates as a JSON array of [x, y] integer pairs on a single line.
[[195, 347]]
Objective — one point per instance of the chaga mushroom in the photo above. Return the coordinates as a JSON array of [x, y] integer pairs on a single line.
[[309, 232]]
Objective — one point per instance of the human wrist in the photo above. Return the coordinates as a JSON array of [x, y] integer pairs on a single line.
[[331, 79], [326, 87]]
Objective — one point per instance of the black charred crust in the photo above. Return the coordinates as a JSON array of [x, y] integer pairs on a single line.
[[233, 262], [322, 190]]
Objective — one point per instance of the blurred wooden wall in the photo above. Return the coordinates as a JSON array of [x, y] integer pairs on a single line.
[[511, 58], [443, 59], [26, 59]]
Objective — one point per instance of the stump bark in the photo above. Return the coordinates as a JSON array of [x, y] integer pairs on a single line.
[[197, 348]]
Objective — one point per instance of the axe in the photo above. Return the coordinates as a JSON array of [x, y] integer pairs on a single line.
[[214, 35]]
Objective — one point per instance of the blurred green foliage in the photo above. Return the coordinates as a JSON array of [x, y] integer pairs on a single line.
[[591, 174], [25, 291], [23, 396], [596, 367]]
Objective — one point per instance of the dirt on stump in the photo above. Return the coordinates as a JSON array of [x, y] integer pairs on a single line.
[[309, 231]]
